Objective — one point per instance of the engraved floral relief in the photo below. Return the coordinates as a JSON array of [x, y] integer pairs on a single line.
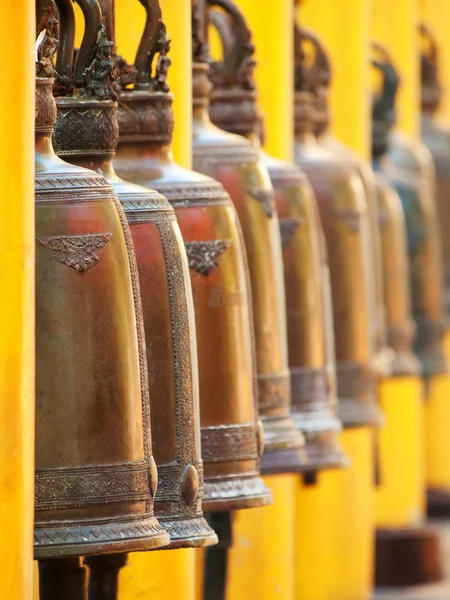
[[351, 217], [265, 199], [288, 227], [76, 251], [204, 257]]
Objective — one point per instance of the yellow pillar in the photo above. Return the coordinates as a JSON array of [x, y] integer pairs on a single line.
[[334, 542], [168, 574], [130, 17], [400, 497], [395, 26], [262, 556], [17, 300], [345, 29], [436, 15]]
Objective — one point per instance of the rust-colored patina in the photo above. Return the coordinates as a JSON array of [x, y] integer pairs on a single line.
[[230, 433], [436, 137], [345, 217], [233, 107], [237, 164], [168, 318], [95, 474]]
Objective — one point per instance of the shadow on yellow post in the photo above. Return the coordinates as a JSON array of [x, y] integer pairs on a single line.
[[334, 527]]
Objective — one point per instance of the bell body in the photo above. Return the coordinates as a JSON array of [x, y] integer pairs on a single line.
[[309, 315], [436, 138], [409, 168], [171, 348], [236, 163], [383, 357], [344, 213], [230, 435], [95, 474]]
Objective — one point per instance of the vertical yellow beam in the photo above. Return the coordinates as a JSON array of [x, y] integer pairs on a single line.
[[395, 26], [345, 30], [272, 34], [334, 545], [262, 557], [436, 15], [17, 300], [130, 18]]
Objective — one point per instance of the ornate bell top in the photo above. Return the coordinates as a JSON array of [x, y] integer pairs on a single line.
[[233, 104], [383, 104], [429, 63], [46, 45], [86, 88], [308, 80], [314, 78], [145, 112]]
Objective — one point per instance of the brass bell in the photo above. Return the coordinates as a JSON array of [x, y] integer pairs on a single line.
[[233, 107], [384, 356], [95, 474], [345, 218], [168, 324], [436, 137], [408, 167], [237, 164], [230, 434]]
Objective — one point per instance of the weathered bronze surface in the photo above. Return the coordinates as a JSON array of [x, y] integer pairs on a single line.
[[168, 324], [230, 433], [408, 166], [95, 474], [306, 274], [436, 137], [346, 222], [237, 164], [384, 356]]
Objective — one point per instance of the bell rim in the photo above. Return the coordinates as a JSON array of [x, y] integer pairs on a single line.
[[354, 413], [201, 534], [127, 535], [226, 495], [324, 457], [284, 460]]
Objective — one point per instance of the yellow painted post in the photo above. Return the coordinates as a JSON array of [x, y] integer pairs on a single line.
[[400, 497], [436, 15], [334, 546], [130, 17], [17, 300], [345, 29], [395, 26], [262, 556], [169, 574]]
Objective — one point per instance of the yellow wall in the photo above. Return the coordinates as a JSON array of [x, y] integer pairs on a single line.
[[17, 299]]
